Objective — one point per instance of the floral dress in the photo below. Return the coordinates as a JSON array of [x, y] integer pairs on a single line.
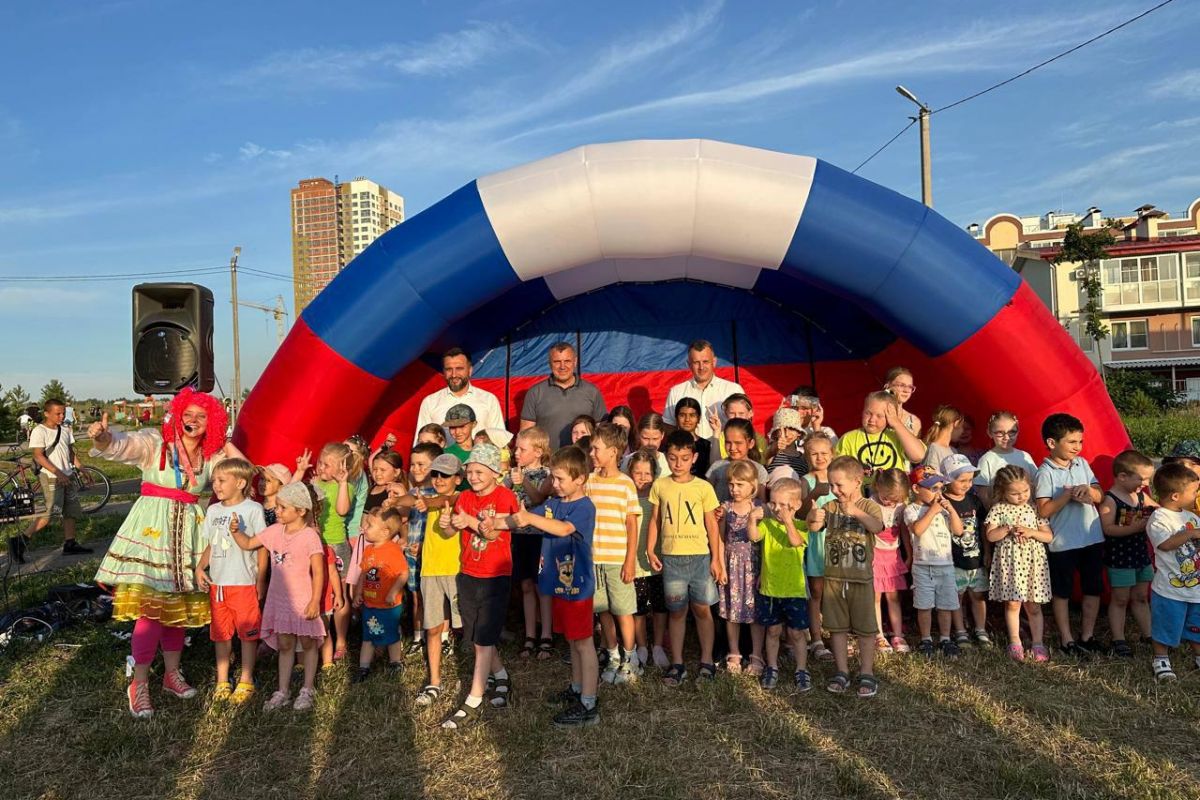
[[1020, 569], [152, 560], [737, 598]]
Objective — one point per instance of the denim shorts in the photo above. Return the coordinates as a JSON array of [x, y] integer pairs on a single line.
[[933, 587], [1172, 621], [686, 579]]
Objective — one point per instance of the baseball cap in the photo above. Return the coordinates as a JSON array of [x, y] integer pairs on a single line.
[[957, 465], [927, 477], [486, 454], [459, 414], [446, 464]]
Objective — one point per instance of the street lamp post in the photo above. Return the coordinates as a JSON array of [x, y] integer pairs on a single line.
[[235, 406], [926, 171]]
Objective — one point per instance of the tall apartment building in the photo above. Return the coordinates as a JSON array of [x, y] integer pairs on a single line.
[[1150, 285], [332, 223]]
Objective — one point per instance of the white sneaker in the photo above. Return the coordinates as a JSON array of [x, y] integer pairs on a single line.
[[304, 700], [277, 701], [627, 673], [660, 658], [609, 675]]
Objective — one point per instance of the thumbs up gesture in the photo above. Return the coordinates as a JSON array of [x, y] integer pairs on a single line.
[[98, 432]]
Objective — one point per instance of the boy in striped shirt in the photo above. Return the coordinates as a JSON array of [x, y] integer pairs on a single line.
[[614, 550]]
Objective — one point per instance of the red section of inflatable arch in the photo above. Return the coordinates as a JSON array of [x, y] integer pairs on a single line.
[[307, 395]]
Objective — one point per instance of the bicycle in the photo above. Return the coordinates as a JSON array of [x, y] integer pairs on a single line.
[[21, 491]]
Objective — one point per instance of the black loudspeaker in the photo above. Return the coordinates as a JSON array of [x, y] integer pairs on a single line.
[[172, 338]]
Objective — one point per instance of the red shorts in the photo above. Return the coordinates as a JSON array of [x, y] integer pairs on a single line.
[[234, 611], [572, 618]]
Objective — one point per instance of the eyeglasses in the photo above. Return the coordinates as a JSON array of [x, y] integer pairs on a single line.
[[1009, 434], [909, 386]]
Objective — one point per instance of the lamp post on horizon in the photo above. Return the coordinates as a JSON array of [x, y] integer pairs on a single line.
[[926, 172]]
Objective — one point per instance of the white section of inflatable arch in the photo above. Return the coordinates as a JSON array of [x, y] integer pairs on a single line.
[[648, 211]]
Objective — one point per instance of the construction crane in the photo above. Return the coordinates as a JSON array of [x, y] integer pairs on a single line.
[[279, 311]]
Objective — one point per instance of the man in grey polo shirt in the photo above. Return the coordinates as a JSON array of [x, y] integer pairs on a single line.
[[553, 404]]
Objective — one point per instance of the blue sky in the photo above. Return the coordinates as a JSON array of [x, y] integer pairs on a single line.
[[140, 135]]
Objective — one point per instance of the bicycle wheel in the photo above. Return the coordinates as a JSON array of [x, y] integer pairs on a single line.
[[93, 489]]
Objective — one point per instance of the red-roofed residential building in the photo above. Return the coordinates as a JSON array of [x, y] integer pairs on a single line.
[[1150, 282]]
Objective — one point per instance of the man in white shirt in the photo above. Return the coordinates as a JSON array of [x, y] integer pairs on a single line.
[[704, 387], [53, 451], [456, 369], [24, 425]]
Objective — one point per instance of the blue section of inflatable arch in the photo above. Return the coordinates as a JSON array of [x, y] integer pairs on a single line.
[[433, 270]]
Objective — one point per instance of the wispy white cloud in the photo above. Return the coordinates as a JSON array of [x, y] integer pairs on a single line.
[[365, 66], [23, 298], [250, 151], [1184, 85]]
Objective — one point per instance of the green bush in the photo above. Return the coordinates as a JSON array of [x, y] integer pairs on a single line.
[[1139, 393], [1156, 434]]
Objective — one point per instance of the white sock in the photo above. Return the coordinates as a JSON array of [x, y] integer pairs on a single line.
[[642, 655], [445, 636], [500, 674], [418, 635], [614, 656], [633, 657], [473, 701]]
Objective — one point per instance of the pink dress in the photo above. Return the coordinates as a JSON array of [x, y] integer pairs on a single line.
[[890, 568], [290, 589]]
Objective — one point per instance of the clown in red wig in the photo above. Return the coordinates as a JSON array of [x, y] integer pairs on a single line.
[[151, 561]]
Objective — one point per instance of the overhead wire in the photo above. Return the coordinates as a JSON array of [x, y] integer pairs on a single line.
[[1016, 77]]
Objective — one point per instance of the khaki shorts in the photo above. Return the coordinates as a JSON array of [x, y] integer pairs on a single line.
[[61, 498], [439, 600], [849, 607], [613, 594]]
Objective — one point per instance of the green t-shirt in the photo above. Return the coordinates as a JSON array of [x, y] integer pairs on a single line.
[[782, 564], [875, 451], [331, 523]]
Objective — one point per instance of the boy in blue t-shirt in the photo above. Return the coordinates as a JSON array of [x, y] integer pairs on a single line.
[[568, 521], [1067, 495]]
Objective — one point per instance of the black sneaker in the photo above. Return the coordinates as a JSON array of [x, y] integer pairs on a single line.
[[925, 648], [74, 548], [416, 647], [1121, 649], [16, 549], [950, 650], [448, 646], [395, 669], [577, 715], [567, 697], [1094, 647], [360, 675], [1074, 650]]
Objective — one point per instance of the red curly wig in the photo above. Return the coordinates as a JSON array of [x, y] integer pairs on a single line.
[[218, 420]]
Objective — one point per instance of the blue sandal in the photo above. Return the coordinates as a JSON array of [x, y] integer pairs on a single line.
[[676, 674]]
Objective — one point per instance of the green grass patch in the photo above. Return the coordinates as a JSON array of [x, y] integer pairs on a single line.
[[982, 727]]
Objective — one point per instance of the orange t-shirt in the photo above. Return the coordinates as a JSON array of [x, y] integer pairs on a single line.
[[382, 565]]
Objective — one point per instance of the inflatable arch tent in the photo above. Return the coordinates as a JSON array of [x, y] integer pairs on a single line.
[[797, 271]]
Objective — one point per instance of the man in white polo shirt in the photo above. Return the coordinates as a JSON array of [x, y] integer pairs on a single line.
[[704, 386], [456, 368]]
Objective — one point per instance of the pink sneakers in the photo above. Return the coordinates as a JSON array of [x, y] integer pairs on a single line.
[[174, 683], [139, 700]]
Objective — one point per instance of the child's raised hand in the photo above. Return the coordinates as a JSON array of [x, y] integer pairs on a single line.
[[817, 420], [341, 474], [394, 490], [487, 525], [446, 521], [817, 515], [235, 523], [389, 441], [460, 520], [304, 461], [516, 475], [419, 505]]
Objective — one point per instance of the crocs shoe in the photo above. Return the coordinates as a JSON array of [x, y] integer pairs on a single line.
[[173, 683], [1016, 652], [899, 645], [222, 693], [243, 693], [1039, 653], [138, 695]]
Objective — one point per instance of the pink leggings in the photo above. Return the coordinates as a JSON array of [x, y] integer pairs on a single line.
[[148, 634]]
